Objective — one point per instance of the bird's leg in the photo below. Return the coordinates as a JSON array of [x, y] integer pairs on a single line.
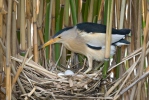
[[90, 61]]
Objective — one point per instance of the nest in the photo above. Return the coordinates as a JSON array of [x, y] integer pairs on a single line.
[[40, 83]]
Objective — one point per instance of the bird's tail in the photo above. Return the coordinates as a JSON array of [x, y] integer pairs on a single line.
[[124, 31], [121, 42]]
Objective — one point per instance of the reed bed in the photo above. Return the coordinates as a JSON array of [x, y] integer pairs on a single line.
[[32, 74]]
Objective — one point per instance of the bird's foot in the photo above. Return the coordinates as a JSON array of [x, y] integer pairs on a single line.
[[88, 70]]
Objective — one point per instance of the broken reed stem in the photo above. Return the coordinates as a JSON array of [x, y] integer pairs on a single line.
[[20, 68], [8, 76], [135, 82], [18, 81], [37, 68], [116, 96], [143, 55], [108, 38]]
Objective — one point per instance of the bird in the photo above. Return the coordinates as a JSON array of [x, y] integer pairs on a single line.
[[89, 39]]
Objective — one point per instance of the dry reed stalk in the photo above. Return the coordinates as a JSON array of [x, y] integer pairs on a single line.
[[79, 17], [22, 26], [85, 98], [40, 15], [101, 11], [3, 47], [8, 76], [1, 32], [114, 86], [52, 53], [39, 30], [28, 9], [143, 55], [1, 24], [2, 12], [118, 12], [39, 22], [108, 38], [2, 51], [50, 24], [135, 83], [14, 36], [29, 36], [28, 21], [133, 23], [108, 32], [116, 96], [1, 4], [36, 67], [35, 43], [90, 14], [138, 37], [143, 11], [18, 14], [20, 68], [18, 80]]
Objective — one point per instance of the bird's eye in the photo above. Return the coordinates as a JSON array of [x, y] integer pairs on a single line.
[[59, 37]]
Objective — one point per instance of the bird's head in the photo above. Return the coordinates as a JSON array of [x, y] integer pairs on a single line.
[[61, 37]]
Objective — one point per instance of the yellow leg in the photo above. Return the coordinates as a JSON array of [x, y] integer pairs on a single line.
[[90, 61]]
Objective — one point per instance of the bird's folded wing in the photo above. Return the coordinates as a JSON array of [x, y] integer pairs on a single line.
[[98, 39], [95, 34]]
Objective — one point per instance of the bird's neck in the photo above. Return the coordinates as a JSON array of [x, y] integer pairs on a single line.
[[75, 45]]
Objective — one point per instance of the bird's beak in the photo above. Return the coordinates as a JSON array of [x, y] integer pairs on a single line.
[[50, 42]]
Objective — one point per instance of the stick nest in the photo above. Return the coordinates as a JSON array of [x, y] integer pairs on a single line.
[[41, 83]]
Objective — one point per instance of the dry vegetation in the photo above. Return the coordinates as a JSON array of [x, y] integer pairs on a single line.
[[26, 73]]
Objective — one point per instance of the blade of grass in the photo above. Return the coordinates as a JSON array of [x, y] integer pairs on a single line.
[[59, 25], [105, 12], [85, 12], [73, 11], [96, 10]]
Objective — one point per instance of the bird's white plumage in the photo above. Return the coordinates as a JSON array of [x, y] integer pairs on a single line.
[[120, 44], [99, 55], [98, 39]]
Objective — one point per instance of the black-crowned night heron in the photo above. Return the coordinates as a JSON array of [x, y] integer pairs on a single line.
[[89, 39]]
